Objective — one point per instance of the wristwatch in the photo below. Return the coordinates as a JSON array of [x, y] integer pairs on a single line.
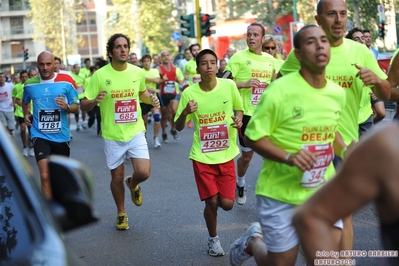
[[68, 108]]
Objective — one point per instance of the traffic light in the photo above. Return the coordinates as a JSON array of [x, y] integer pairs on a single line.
[[187, 25], [113, 18], [26, 54], [206, 24], [381, 29]]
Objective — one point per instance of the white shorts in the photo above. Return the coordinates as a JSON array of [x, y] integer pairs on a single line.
[[7, 119], [115, 151], [275, 218]]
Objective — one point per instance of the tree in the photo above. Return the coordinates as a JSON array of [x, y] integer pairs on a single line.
[[55, 23], [157, 24]]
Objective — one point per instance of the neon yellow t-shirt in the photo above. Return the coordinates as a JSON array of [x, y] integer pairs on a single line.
[[341, 70], [19, 96], [151, 73], [191, 71], [120, 109], [365, 110], [18, 87], [84, 72], [393, 56], [214, 140], [245, 65], [292, 114], [79, 80]]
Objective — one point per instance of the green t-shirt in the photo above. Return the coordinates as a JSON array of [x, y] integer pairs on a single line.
[[393, 56], [151, 73], [244, 66], [365, 110], [18, 87], [84, 72], [120, 109], [292, 114], [341, 70], [79, 80], [191, 71], [214, 140]]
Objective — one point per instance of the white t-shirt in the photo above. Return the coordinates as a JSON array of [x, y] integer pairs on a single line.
[[6, 98]]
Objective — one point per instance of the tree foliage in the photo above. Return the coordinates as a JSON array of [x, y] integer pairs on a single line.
[[157, 24], [127, 20], [364, 14], [49, 18]]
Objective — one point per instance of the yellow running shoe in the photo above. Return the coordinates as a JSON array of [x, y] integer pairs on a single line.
[[136, 195], [121, 221]]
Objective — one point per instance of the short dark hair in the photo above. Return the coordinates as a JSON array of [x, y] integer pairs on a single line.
[[193, 45], [100, 62], [145, 56], [92, 68], [352, 31], [57, 59], [258, 25], [111, 43], [187, 49], [87, 59], [298, 37], [366, 31], [204, 52], [23, 71]]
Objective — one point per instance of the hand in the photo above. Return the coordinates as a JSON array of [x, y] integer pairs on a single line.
[[303, 159], [155, 101], [60, 101], [191, 107], [28, 121], [237, 122], [100, 97], [367, 76], [165, 77], [253, 83]]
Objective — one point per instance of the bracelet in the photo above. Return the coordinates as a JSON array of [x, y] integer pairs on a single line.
[[286, 157]]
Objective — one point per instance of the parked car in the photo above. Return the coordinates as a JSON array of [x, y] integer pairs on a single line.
[[31, 226]]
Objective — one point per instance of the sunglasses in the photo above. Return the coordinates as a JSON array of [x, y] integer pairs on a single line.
[[269, 47]]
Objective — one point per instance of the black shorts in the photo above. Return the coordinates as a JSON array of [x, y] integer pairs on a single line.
[[44, 148], [145, 108], [21, 120], [245, 121], [366, 126], [166, 98]]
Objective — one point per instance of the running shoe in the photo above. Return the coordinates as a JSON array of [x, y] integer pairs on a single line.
[[135, 193], [121, 221], [25, 151], [157, 143], [237, 250], [241, 198], [174, 134], [32, 152], [214, 247], [165, 138]]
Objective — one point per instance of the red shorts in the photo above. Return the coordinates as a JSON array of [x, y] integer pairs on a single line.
[[215, 179]]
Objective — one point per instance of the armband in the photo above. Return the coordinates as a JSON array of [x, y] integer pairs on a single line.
[[343, 152]]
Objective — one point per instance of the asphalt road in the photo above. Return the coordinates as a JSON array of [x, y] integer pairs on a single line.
[[169, 229]]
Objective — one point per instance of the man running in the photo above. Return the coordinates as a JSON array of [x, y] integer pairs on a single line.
[[293, 129], [7, 118], [53, 97], [252, 71], [118, 88]]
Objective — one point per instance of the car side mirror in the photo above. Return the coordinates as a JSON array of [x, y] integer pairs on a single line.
[[72, 186]]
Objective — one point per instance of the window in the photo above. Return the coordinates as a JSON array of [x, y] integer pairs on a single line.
[[17, 25]]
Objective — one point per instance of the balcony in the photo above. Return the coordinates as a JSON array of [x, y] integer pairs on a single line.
[[16, 58], [17, 33], [14, 10]]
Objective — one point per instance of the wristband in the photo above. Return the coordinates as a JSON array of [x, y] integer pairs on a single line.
[[343, 152], [286, 158]]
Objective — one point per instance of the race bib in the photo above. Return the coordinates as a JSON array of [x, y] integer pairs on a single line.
[[315, 177], [50, 121], [196, 79], [125, 111], [214, 138], [257, 92], [170, 87]]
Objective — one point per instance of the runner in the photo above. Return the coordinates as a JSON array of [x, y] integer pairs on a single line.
[[191, 66], [293, 129], [7, 118], [53, 98], [117, 88], [252, 71], [354, 186], [79, 80], [210, 104], [169, 94], [152, 78], [353, 67]]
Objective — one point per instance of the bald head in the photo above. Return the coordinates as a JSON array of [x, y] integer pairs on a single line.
[[45, 64], [321, 4]]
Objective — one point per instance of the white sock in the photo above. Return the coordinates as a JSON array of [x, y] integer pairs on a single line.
[[213, 238], [241, 181]]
